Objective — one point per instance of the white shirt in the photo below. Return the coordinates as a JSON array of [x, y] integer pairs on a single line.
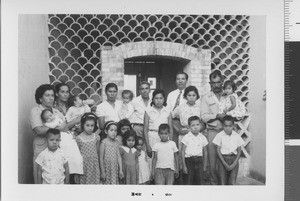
[[172, 97], [110, 113], [194, 144], [139, 109], [228, 143], [165, 154], [157, 117], [74, 112]]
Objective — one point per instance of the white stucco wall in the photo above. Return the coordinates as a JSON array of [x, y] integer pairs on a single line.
[[32, 71]]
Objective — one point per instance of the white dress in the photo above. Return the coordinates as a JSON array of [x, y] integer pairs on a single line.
[[144, 170], [238, 112]]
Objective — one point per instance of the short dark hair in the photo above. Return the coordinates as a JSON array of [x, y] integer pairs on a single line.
[[127, 92], [71, 100], [59, 85], [144, 82], [127, 135], [43, 113], [158, 91], [194, 118], [163, 127], [182, 73], [215, 74], [189, 89], [139, 138], [39, 92], [89, 116], [52, 131], [121, 123], [230, 83], [111, 85], [228, 118]]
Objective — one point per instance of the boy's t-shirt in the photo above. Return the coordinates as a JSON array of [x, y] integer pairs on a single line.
[[165, 154], [228, 143], [194, 144]]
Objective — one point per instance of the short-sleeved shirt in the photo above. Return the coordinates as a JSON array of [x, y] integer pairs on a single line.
[[157, 117], [209, 110], [194, 144], [139, 109], [52, 163], [35, 116], [172, 98], [109, 112], [165, 154], [228, 143], [185, 111]]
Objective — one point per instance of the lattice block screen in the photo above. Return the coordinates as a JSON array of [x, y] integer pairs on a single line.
[[75, 42]]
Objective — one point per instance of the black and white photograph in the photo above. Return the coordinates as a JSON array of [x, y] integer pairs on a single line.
[[127, 101]]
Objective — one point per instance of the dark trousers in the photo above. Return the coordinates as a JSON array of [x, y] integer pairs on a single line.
[[228, 177], [195, 170]]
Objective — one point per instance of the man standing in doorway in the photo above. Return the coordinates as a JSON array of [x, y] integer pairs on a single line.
[[140, 104], [175, 98], [209, 114]]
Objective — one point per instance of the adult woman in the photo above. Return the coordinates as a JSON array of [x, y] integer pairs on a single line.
[[108, 110], [44, 97], [156, 115]]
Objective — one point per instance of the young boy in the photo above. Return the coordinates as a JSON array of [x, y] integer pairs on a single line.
[[164, 167], [229, 151], [194, 152], [53, 166]]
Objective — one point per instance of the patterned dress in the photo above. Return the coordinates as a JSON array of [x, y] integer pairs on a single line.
[[111, 162], [91, 170], [238, 112]]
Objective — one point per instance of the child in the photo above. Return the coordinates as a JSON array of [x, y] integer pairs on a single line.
[[229, 151], [144, 170], [231, 104], [67, 143], [164, 167], [110, 159], [129, 156], [53, 166], [50, 120], [88, 143], [127, 108], [77, 108], [123, 126], [154, 116], [194, 152]]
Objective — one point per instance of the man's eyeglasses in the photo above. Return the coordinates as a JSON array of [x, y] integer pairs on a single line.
[[215, 83]]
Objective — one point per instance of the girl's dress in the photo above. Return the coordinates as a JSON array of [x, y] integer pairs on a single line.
[[144, 171], [238, 112], [155, 119], [111, 162], [91, 170], [129, 165]]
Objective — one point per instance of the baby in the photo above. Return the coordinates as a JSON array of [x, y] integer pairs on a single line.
[[51, 120], [77, 108]]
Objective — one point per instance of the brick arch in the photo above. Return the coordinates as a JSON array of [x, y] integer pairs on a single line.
[[198, 68]]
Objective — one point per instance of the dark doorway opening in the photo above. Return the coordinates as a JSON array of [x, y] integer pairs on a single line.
[[159, 71]]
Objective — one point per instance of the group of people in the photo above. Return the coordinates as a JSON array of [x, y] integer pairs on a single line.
[[149, 139]]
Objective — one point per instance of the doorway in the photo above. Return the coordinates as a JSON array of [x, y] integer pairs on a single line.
[[159, 71]]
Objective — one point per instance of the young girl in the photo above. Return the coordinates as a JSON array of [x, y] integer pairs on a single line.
[[144, 170], [129, 156], [231, 104], [154, 116], [88, 143], [123, 126], [110, 159], [127, 108]]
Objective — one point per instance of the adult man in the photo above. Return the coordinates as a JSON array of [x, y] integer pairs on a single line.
[[209, 114], [175, 98], [140, 104]]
